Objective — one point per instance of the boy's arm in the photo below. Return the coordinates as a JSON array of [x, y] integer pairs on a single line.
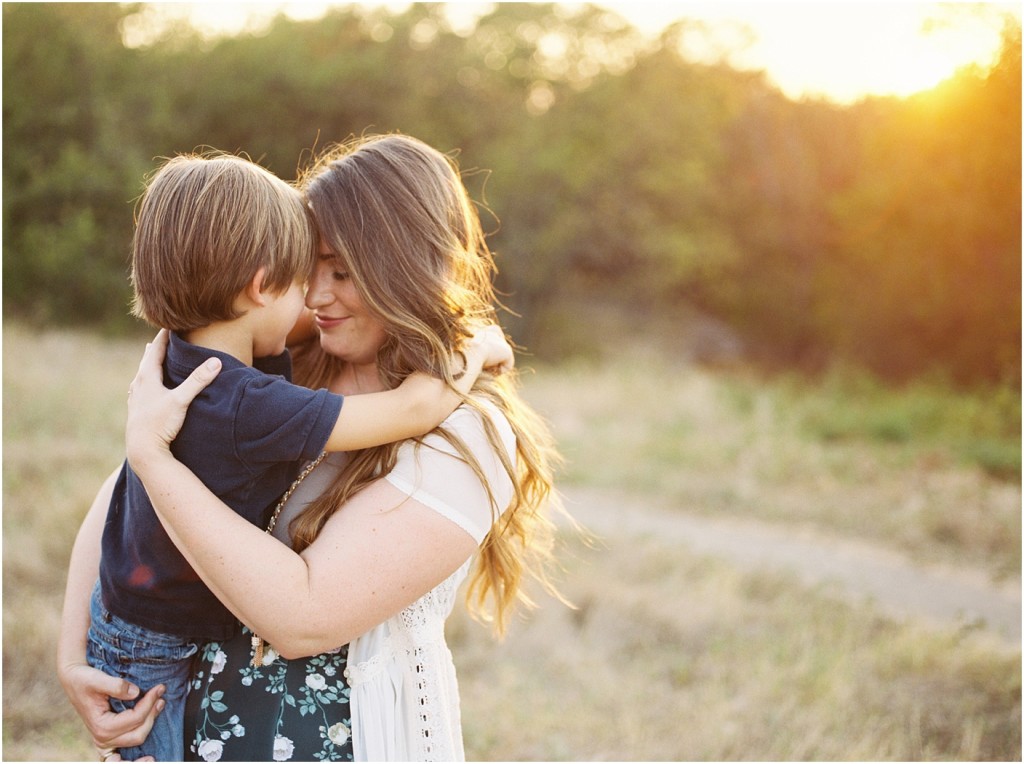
[[90, 689], [420, 403]]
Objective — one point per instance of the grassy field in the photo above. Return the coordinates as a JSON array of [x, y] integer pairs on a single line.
[[669, 656], [930, 471]]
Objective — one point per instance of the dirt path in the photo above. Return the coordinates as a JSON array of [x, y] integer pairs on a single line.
[[861, 571]]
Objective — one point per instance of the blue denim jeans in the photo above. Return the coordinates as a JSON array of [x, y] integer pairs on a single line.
[[145, 658]]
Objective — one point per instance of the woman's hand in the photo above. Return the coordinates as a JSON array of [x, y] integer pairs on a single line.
[[155, 413], [89, 690]]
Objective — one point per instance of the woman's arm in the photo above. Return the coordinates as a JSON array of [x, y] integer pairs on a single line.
[[377, 556], [90, 689], [380, 554]]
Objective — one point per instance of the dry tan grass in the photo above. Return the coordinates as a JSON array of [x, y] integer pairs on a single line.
[[669, 656], [676, 657], [731, 446]]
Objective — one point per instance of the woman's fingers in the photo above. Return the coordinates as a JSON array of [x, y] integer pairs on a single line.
[[130, 727], [200, 377], [120, 689], [149, 377], [153, 358], [156, 414], [90, 691]]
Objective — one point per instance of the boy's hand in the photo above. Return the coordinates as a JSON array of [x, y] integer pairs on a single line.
[[490, 342]]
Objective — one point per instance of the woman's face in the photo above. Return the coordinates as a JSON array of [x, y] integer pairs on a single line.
[[347, 329]]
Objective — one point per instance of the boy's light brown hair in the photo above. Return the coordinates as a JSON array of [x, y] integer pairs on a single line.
[[204, 226]]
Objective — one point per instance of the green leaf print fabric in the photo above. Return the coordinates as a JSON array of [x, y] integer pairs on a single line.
[[283, 710]]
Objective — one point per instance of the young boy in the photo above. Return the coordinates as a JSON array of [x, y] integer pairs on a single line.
[[220, 253]]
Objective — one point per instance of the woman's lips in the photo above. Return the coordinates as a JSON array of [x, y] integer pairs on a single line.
[[329, 322]]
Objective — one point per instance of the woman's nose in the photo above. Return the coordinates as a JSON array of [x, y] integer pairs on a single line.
[[318, 294]]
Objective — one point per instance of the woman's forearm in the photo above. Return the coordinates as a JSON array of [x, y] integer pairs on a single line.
[[246, 568], [83, 570], [89, 689], [223, 549], [375, 557]]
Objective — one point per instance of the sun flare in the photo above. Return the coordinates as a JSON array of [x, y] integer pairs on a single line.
[[845, 51]]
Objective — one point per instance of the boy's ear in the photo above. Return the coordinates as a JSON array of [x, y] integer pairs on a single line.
[[254, 289]]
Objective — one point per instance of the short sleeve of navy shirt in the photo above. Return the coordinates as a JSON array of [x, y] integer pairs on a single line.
[[248, 433], [245, 436]]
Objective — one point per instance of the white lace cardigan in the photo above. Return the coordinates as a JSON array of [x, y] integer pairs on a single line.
[[405, 696]]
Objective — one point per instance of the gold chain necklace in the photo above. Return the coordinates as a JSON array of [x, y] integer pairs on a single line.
[[257, 641]]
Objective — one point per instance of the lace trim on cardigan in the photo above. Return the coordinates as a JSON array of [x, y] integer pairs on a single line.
[[416, 640]]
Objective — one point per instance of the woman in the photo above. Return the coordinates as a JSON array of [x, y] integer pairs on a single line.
[[379, 539]]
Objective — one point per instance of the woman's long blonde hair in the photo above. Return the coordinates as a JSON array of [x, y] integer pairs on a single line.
[[398, 217]]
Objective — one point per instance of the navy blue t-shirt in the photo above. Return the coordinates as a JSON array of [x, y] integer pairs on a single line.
[[246, 437]]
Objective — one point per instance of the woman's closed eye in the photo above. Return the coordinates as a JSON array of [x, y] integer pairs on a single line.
[[337, 275]]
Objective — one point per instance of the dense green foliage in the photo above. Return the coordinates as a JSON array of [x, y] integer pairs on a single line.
[[628, 182]]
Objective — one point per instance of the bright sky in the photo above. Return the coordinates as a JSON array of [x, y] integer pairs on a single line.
[[845, 50], [841, 50]]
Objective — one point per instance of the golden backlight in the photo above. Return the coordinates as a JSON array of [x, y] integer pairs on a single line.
[[843, 51], [847, 51]]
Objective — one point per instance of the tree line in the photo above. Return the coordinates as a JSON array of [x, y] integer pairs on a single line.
[[627, 189]]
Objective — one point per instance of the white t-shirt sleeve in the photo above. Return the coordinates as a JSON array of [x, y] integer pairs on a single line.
[[435, 475]]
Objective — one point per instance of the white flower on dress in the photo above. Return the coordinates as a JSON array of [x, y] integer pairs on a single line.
[[283, 748], [269, 655], [315, 682], [219, 661], [234, 719], [246, 680], [238, 730], [338, 734], [211, 750], [330, 670]]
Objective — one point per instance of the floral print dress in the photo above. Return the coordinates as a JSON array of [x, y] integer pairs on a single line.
[[282, 710]]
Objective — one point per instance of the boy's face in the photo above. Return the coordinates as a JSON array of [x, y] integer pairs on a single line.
[[282, 311]]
